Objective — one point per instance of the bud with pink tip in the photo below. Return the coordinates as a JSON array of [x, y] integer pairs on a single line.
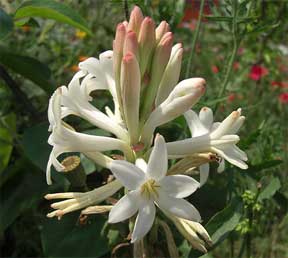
[[171, 74], [147, 43], [131, 44], [136, 19], [118, 44], [159, 62], [162, 29], [130, 85]]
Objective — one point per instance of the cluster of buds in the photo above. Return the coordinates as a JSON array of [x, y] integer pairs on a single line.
[[142, 74]]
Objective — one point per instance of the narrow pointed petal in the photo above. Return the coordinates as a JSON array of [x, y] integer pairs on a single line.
[[179, 186], [206, 117], [204, 173], [144, 220], [194, 123], [158, 162], [125, 208], [178, 207], [229, 155], [130, 176], [226, 125], [141, 163], [237, 125]]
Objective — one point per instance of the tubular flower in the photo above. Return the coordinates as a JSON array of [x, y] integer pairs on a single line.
[[219, 138], [149, 186]]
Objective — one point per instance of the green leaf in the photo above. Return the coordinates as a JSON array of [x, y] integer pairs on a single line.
[[7, 128], [221, 224], [219, 18], [21, 191], [263, 165], [68, 238], [6, 24], [35, 145], [270, 189], [52, 10], [29, 68]]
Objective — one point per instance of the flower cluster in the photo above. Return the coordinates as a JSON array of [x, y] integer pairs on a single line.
[[141, 74]]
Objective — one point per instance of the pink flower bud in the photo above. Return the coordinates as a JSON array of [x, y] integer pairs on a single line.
[[118, 44], [131, 44], [171, 74], [162, 28], [147, 43], [130, 86], [159, 62], [136, 19]]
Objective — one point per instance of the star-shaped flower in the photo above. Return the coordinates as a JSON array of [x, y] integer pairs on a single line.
[[149, 185]]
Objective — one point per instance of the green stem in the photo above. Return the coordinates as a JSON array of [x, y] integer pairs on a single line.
[[195, 38], [233, 54]]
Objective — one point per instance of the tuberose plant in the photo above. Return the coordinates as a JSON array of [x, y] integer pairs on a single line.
[[141, 74]]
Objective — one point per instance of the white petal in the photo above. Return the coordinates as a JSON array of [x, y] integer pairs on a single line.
[[144, 220], [195, 125], [230, 156], [179, 186], [226, 125], [179, 207], [125, 208], [237, 125], [206, 117], [141, 163], [130, 176], [204, 173], [221, 166], [158, 161], [91, 65]]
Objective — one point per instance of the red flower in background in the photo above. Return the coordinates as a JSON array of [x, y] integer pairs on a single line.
[[191, 13], [215, 69], [257, 72], [276, 84], [283, 98]]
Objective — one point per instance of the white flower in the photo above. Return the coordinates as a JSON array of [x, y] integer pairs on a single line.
[[64, 139], [95, 75], [219, 138], [148, 186]]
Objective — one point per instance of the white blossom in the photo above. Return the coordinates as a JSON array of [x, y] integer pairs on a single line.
[[148, 185]]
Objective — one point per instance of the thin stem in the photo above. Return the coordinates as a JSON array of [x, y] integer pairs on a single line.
[[233, 54], [195, 38], [18, 93], [126, 9]]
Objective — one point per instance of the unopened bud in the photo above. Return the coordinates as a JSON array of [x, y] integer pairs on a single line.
[[118, 44], [147, 43], [136, 19], [130, 85], [171, 74], [162, 28], [159, 62], [131, 44]]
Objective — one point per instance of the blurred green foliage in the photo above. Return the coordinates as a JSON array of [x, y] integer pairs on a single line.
[[41, 43]]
